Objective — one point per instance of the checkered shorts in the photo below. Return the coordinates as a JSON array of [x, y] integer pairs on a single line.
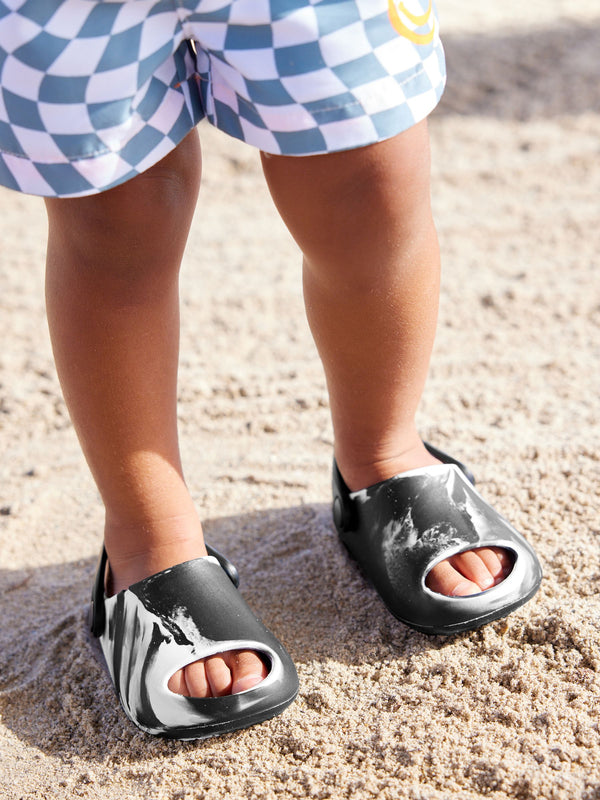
[[94, 92]]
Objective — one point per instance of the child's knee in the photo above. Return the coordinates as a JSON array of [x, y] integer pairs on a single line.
[[344, 207], [389, 181], [140, 221]]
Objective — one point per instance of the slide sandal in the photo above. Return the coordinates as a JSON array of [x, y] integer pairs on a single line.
[[398, 529], [169, 620]]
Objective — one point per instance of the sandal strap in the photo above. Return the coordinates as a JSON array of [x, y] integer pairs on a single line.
[[97, 611], [447, 459]]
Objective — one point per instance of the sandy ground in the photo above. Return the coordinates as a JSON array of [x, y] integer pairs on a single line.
[[510, 711]]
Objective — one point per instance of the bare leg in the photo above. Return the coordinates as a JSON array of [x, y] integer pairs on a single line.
[[371, 281], [113, 311]]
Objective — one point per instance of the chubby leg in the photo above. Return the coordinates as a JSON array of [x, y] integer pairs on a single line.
[[113, 310], [371, 282]]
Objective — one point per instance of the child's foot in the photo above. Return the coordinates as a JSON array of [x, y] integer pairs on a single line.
[[227, 673], [466, 573]]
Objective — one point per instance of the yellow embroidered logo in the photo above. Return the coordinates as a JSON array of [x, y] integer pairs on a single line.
[[408, 24]]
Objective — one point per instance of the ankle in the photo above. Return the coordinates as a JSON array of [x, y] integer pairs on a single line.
[[136, 551], [361, 474]]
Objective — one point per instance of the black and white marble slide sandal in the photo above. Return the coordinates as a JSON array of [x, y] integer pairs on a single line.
[[399, 529], [176, 617]]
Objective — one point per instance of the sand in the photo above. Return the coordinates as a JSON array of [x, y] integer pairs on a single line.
[[510, 711]]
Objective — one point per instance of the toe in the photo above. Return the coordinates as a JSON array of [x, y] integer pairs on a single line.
[[177, 683], [219, 676], [196, 680], [473, 568], [445, 579], [497, 561], [248, 670]]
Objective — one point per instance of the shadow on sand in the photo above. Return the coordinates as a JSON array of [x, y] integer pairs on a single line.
[[55, 693]]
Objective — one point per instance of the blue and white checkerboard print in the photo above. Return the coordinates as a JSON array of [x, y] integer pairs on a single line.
[[93, 92]]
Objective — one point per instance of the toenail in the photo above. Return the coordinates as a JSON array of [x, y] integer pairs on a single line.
[[463, 589]]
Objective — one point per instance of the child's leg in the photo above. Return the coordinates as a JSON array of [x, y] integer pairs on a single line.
[[371, 279], [113, 311]]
